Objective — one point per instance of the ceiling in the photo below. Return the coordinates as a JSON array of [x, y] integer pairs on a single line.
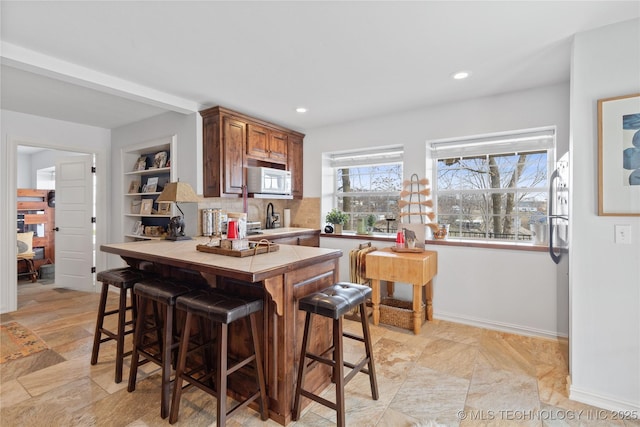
[[109, 64]]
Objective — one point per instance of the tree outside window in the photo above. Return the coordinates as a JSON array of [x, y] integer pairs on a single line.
[[366, 190], [495, 195]]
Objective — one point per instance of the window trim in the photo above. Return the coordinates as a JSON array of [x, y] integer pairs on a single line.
[[359, 158], [522, 139]]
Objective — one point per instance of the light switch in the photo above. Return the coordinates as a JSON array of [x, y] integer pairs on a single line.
[[623, 234]]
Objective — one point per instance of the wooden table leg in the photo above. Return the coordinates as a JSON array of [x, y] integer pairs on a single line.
[[391, 286], [375, 300], [417, 303], [429, 289]]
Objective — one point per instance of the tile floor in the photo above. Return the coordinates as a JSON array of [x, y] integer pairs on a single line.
[[450, 374]]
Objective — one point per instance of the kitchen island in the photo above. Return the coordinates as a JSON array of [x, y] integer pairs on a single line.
[[281, 278]]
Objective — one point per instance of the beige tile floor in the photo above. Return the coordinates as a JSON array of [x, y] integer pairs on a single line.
[[450, 374]]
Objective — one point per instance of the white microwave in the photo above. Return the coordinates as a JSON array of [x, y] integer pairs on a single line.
[[268, 181]]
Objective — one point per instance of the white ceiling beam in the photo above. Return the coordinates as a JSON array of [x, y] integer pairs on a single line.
[[45, 65]]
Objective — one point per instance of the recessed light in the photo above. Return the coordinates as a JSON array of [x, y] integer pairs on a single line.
[[461, 75], [301, 110]]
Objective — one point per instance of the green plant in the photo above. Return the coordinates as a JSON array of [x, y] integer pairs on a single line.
[[336, 216], [371, 220]]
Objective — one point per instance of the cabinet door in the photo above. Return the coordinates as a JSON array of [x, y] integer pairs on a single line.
[[234, 140], [294, 164], [258, 142], [278, 147]]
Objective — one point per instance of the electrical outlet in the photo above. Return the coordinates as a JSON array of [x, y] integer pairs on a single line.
[[623, 234]]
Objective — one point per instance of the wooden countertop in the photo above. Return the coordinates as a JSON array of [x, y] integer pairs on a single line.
[[183, 254]]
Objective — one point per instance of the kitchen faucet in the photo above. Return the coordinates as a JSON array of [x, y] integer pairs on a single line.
[[270, 217]]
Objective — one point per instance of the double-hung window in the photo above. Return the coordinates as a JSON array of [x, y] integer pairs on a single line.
[[493, 187], [367, 184]]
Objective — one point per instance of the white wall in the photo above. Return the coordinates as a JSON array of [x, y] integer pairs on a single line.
[[29, 164], [605, 277], [25, 180], [188, 129], [509, 290], [519, 110], [25, 129]]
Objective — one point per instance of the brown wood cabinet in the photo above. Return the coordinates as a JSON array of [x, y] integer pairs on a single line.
[[266, 144], [232, 141], [294, 164]]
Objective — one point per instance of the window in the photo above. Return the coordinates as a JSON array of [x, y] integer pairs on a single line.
[[368, 183], [493, 187]]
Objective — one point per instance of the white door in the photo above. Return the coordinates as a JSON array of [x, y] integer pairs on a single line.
[[75, 229]]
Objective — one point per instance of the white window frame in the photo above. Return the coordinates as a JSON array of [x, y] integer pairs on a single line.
[[510, 142], [361, 158]]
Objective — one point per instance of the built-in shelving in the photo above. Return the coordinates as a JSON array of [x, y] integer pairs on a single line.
[[143, 164]]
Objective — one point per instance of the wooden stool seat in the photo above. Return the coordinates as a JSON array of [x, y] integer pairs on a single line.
[[221, 309], [123, 279], [162, 294], [334, 302]]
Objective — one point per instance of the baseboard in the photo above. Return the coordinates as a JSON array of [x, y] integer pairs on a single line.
[[600, 401], [499, 326]]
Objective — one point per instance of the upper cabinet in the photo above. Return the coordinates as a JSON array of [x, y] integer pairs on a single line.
[[232, 141], [294, 164], [266, 144]]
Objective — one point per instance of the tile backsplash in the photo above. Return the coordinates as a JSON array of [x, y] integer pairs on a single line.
[[304, 213]]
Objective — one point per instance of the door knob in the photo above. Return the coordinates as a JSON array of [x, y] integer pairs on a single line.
[[56, 229]]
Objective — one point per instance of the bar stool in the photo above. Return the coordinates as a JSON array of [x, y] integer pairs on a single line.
[[162, 294], [221, 309], [334, 302], [123, 279]]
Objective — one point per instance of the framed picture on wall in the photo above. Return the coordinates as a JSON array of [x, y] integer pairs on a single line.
[[619, 156]]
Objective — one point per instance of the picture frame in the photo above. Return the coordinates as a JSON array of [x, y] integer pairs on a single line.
[[619, 156], [146, 206], [134, 187], [141, 164], [160, 160], [135, 206], [151, 186], [137, 228], [164, 208]]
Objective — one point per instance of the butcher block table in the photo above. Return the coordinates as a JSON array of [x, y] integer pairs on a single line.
[[417, 269], [281, 278]]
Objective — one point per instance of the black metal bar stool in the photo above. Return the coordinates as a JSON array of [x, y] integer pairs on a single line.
[[123, 279], [162, 293], [221, 309], [334, 302]]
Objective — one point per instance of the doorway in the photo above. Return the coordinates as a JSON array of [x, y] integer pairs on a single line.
[[9, 186], [36, 176]]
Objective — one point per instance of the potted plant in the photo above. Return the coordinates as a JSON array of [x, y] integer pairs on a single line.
[[337, 218], [371, 222]]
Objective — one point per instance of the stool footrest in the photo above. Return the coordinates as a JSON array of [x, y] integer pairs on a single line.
[[353, 337], [318, 399]]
